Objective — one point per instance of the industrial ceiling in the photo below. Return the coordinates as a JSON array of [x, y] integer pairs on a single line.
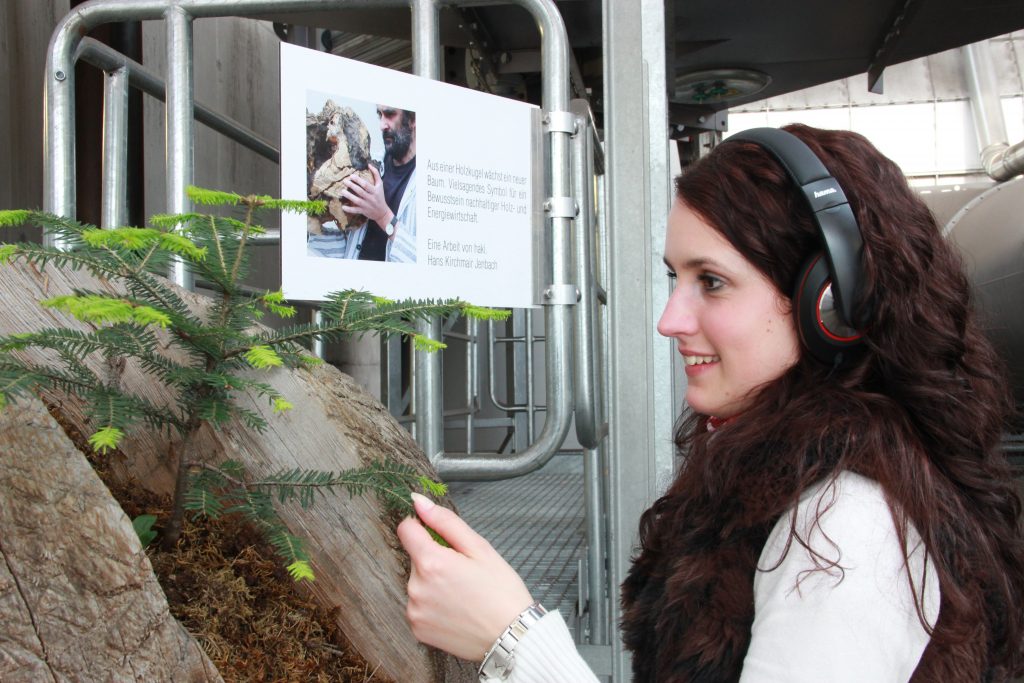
[[719, 53]]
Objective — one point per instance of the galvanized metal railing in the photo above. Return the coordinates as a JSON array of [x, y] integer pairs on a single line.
[[570, 296], [560, 294], [121, 73]]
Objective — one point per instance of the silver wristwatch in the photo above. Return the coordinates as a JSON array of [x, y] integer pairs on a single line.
[[498, 661]]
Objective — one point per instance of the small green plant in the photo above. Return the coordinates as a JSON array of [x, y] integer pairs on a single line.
[[143, 525], [220, 347]]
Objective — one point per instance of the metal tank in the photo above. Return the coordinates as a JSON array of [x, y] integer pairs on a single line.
[[990, 231]]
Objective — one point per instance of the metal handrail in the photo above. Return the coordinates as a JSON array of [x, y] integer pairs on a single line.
[[589, 427], [121, 73], [59, 175], [106, 58], [558, 322]]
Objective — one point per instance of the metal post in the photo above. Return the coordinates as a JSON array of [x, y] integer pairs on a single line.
[[522, 378], [590, 426], [429, 399], [589, 430], [596, 577], [472, 379], [59, 127], [640, 394], [391, 376], [115, 149], [179, 125], [612, 581], [318, 343]]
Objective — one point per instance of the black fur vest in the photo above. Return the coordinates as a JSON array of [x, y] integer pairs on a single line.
[[688, 608]]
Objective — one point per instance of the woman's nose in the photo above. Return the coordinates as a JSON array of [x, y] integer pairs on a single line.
[[678, 317]]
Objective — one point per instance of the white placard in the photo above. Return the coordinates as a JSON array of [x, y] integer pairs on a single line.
[[473, 206]]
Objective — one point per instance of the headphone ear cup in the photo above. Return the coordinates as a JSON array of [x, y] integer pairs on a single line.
[[822, 331]]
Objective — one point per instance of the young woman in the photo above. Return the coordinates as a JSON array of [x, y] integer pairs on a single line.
[[843, 511]]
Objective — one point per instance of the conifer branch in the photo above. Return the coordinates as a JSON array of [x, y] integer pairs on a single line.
[[219, 348]]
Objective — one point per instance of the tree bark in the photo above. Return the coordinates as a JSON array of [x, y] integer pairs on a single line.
[[334, 425], [78, 597]]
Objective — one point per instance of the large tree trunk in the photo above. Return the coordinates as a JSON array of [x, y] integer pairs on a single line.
[[335, 426], [78, 597]]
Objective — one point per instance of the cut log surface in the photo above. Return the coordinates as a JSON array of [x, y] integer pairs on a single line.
[[78, 597], [334, 425]]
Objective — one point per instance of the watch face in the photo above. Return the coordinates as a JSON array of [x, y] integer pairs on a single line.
[[389, 229]]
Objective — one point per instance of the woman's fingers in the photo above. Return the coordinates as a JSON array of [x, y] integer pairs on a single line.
[[450, 527], [415, 539], [462, 597]]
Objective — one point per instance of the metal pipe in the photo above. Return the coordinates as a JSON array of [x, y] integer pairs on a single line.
[[588, 429], [114, 201], [429, 399], [531, 394], [594, 516], [270, 238], [59, 126], [604, 381], [318, 342], [528, 339], [558, 316], [491, 376], [998, 158], [391, 377], [178, 125], [107, 59], [591, 428], [472, 378]]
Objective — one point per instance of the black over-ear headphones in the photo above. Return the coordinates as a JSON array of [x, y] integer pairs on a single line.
[[828, 287]]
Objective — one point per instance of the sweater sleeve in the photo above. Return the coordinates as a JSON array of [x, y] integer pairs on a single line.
[[402, 248], [853, 622], [547, 654]]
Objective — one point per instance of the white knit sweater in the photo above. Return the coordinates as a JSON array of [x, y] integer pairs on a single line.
[[809, 626]]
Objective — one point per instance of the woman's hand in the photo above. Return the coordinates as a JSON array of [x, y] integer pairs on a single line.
[[463, 597]]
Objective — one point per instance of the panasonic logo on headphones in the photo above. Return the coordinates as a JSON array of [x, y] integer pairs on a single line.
[[822, 193]]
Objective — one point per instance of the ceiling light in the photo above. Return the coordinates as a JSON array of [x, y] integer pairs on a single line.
[[719, 86]]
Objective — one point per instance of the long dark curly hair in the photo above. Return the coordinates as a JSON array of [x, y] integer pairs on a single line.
[[921, 412]]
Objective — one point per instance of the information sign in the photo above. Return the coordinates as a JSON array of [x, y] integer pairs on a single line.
[[444, 175]]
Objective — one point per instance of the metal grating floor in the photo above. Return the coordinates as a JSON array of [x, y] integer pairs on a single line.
[[536, 523]]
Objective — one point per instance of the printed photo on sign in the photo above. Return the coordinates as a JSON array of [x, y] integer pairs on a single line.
[[365, 171], [430, 189]]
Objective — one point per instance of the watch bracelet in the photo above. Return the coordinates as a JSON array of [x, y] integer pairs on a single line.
[[497, 663]]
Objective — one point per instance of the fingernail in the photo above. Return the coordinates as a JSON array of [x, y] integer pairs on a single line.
[[424, 502]]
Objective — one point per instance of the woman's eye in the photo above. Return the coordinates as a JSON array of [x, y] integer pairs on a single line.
[[710, 282], [671, 275]]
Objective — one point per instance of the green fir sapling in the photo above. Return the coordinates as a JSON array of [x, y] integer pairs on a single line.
[[216, 353]]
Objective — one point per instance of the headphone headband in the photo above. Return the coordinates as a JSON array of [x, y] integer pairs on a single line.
[[840, 234]]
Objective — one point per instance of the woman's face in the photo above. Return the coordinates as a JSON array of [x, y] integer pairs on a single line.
[[733, 328]]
